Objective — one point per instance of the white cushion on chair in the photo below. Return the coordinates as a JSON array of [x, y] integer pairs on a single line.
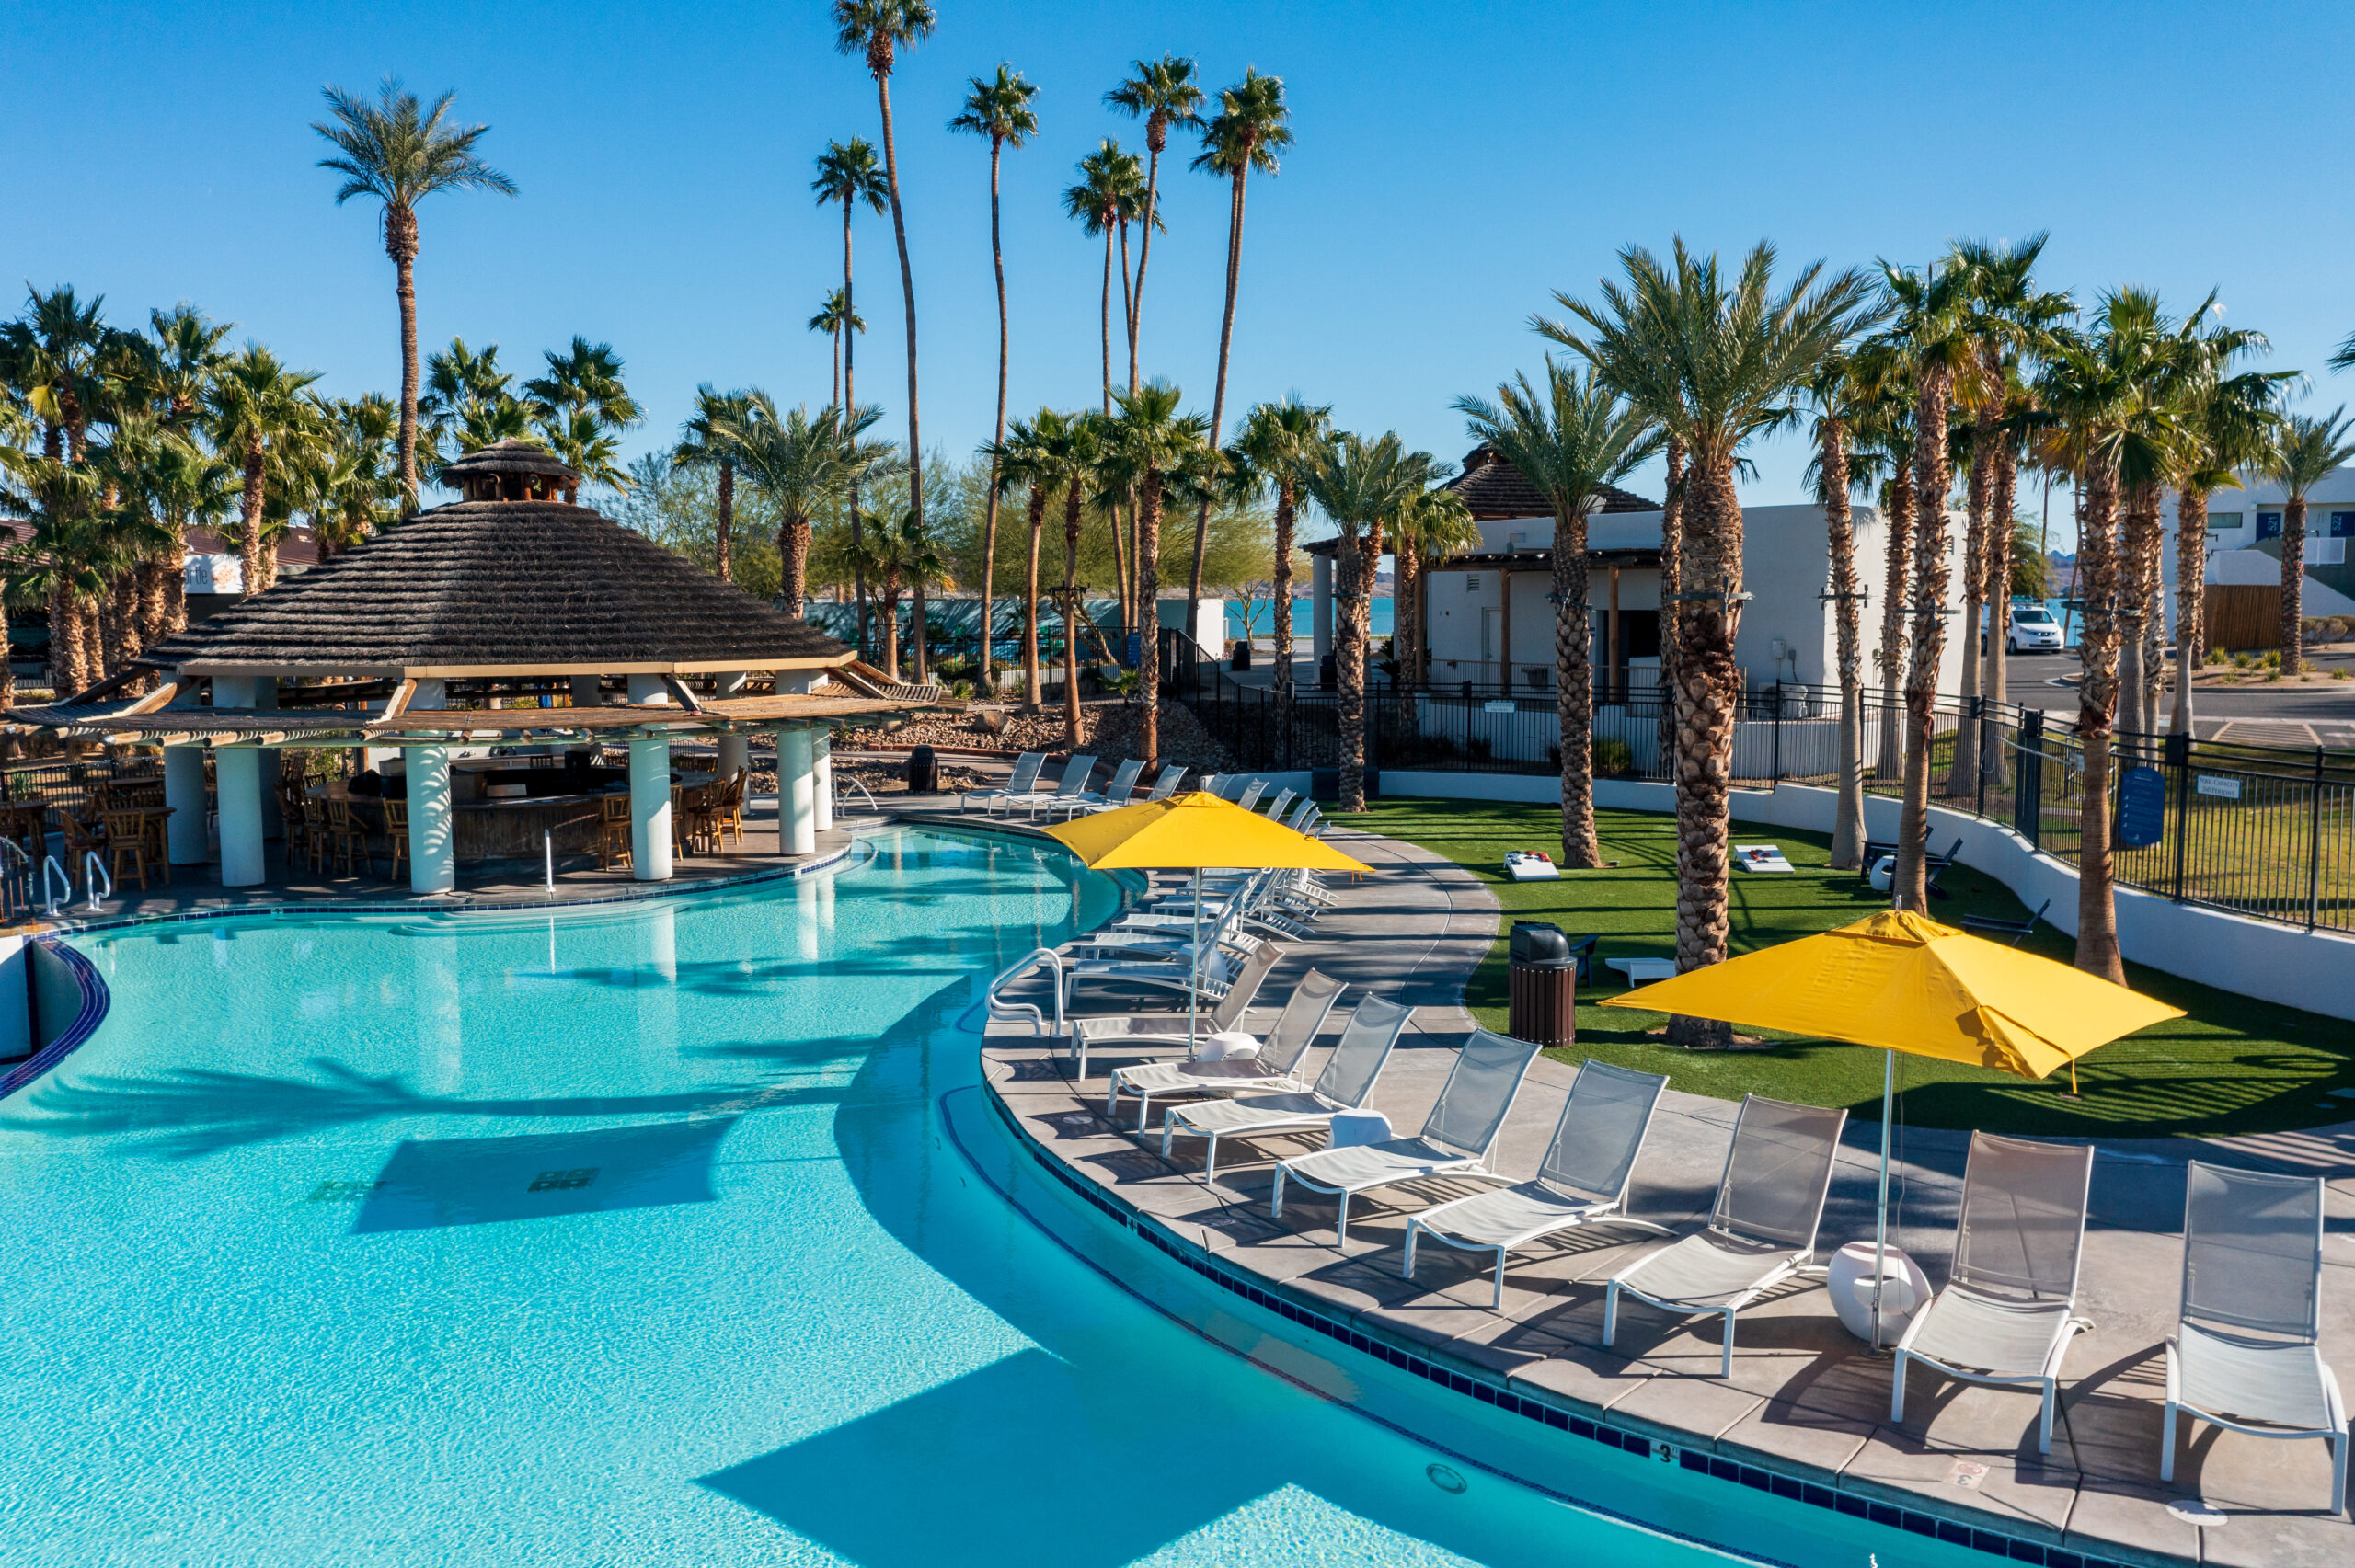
[[1232, 1045], [1352, 1128]]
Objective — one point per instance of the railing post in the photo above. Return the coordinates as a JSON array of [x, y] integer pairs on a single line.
[[2178, 754], [1775, 768], [2314, 845]]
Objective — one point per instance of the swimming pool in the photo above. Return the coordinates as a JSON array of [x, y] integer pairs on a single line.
[[631, 1236]]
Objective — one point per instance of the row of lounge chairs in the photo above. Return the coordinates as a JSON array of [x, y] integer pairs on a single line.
[[1070, 795], [2245, 1355]]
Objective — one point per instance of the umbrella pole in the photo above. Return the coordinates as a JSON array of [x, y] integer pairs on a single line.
[[1194, 991], [1880, 1223]]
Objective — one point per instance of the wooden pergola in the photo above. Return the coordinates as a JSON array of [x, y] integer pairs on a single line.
[[499, 619]]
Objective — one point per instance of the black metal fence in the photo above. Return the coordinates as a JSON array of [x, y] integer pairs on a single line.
[[2264, 832]]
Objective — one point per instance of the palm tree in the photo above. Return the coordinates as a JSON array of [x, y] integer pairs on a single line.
[[1276, 438], [1249, 130], [2011, 320], [837, 319], [1933, 333], [1715, 361], [1163, 93], [848, 175], [1110, 192], [901, 555], [877, 31], [1359, 485], [1019, 462], [585, 379], [704, 443], [2304, 453], [457, 379], [1145, 444], [51, 355], [62, 498], [2228, 424], [1071, 457], [188, 354], [998, 109], [399, 152], [800, 461], [1844, 399], [255, 403], [1573, 442], [2154, 350], [1433, 527]]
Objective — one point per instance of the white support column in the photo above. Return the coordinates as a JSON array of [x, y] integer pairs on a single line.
[[1320, 602], [237, 777], [735, 752], [821, 742], [191, 841], [649, 790], [432, 842], [262, 695], [796, 810]]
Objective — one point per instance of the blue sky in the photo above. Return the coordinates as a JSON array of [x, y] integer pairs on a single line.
[[1454, 167]]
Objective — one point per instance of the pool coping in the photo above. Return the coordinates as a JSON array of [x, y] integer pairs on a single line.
[[1693, 1452]]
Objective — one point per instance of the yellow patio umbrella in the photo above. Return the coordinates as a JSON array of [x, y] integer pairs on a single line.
[[1195, 831], [1906, 983]]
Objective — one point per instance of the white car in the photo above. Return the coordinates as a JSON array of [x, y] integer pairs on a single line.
[[2033, 630]]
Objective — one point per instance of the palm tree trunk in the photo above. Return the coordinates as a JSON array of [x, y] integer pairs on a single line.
[[1038, 518], [1124, 563], [2141, 516], [988, 682], [1574, 695], [249, 546], [1149, 595], [67, 672], [1671, 577], [2293, 584], [727, 517], [1129, 308], [915, 433], [2190, 601], [1932, 479], [400, 238], [155, 602], [1144, 250], [1892, 618], [850, 396], [1072, 611], [1962, 778], [1992, 765], [1218, 397], [891, 622], [1707, 681], [1286, 500], [2097, 586], [122, 635], [1348, 665], [1848, 814], [2155, 623], [793, 560], [1104, 315]]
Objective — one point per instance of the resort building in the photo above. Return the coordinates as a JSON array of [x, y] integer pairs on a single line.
[[2243, 550], [1491, 617], [511, 618]]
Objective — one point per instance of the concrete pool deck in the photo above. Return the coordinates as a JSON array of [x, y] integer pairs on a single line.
[[1806, 1403]]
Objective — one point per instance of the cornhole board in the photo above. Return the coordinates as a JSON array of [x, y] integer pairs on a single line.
[[1526, 865], [1760, 857], [1640, 970]]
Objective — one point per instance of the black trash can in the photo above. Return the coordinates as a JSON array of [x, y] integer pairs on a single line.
[[1327, 678], [923, 771], [1542, 985], [1241, 658]]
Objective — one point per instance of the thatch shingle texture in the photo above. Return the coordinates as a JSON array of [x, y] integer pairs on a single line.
[[1493, 488], [503, 585]]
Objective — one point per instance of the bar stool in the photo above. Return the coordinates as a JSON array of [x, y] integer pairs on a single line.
[[613, 832]]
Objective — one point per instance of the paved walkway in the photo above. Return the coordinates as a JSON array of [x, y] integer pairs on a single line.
[[1805, 1399]]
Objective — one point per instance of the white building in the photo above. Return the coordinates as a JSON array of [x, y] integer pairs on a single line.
[[1492, 623], [2244, 546]]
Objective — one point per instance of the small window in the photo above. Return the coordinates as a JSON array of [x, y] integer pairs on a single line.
[[2342, 525], [2224, 523], [1470, 582], [2269, 525]]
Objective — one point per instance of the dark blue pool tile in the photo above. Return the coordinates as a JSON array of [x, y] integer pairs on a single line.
[[1757, 1480], [1954, 1534], [1582, 1428], [1559, 1420], [1883, 1514], [1691, 1460], [1854, 1507], [1724, 1470], [1918, 1523], [2026, 1550], [1788, 1486], [2056, 1558], [1459, 1382], [1817, 1497]]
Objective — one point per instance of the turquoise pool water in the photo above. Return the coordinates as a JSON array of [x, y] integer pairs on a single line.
[[626, 1238]]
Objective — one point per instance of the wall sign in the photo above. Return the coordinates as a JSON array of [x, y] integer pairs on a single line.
[[2220, 786], [2141, 808]]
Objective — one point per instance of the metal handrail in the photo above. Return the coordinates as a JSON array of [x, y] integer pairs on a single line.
[[92, 874], [856, 782], [999, 1008], [55, 894]]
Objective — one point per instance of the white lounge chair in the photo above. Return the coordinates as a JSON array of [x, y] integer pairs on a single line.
[[1073, 784], [1462, 1128], [1168, 782], [1111, 798], [2244, 1354], [1147, 1034], [2010, 1306], [1270, 1072], [1252, 790], [1349, 1077], [1023, 781], [1208, 970], [1583, 1180], [1762, 1229], [1275, 813]]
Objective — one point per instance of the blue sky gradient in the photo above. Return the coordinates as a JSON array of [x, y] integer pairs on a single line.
[[1454, 167]]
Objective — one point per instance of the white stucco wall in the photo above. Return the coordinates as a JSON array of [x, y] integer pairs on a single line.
[[2313, 970]]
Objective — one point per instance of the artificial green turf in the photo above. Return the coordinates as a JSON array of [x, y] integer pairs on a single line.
[[2234, 1065]]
